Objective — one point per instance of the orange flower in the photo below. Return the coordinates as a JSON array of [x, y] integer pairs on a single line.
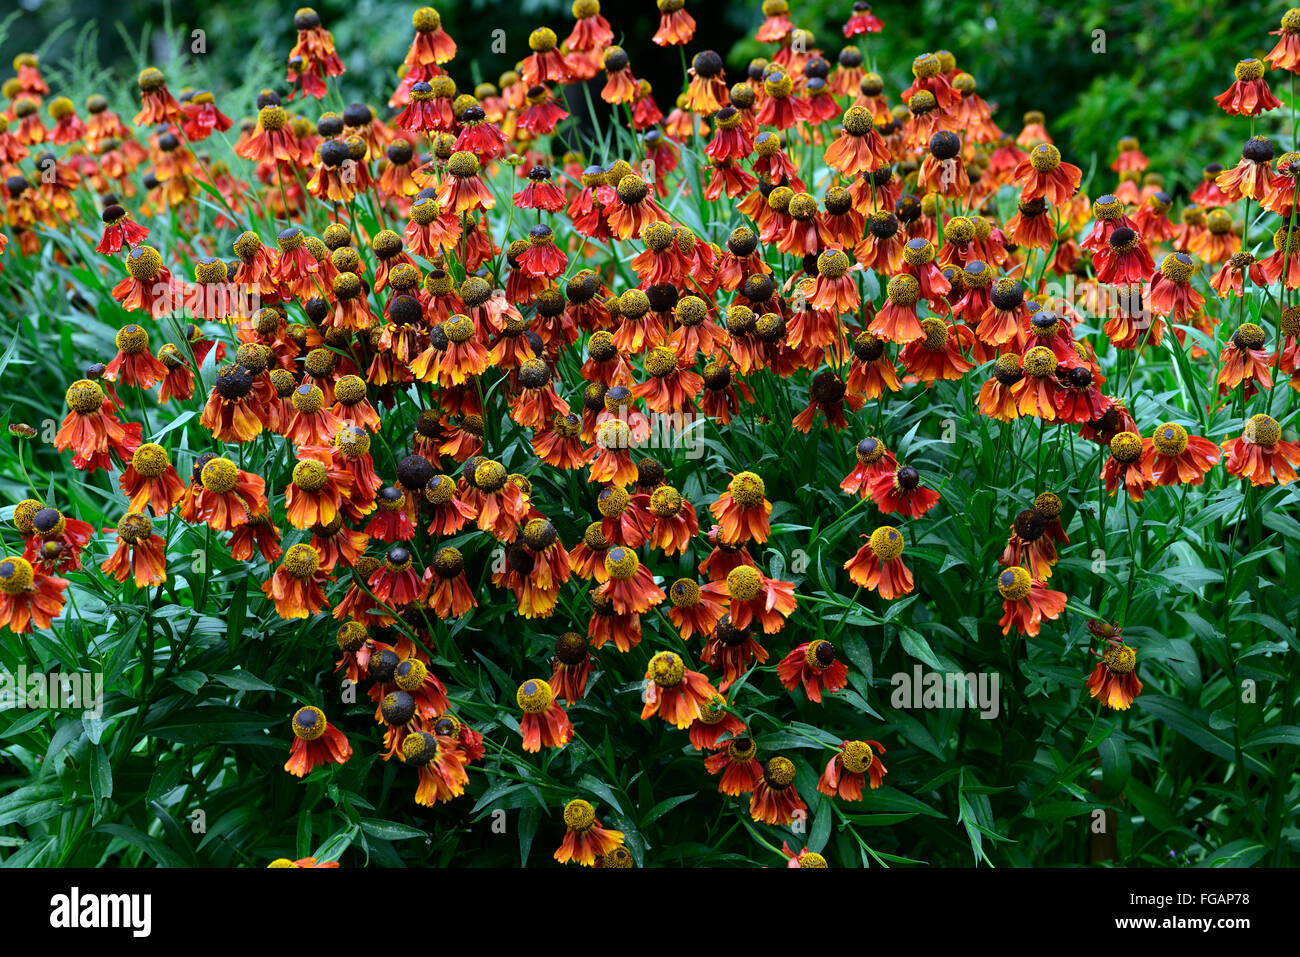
[[714, 722], [1114, 682], [1261, 455], [1042, 175], [450, 595], [584, 839], [229, 496], [737, 761], [775, 799], [316, 742], [158, 106], [1129, 464], [742, 510], [441, 766], [846, 772], [297, 587], [28, 596], [1249, 94], [1027, 602], [814, 665], [544, 722], [138, 552], [676, 26], [572, 666], [1175, 457], [878, 565], [93, 431], [757, 598], [673, 691], [134, 362], [630, 587]]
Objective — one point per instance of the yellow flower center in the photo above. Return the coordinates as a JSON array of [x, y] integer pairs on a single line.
[[534, 696], [1014, 583], [219, 476], [667, 669], [887, 543], [309, 723], [744, 583]]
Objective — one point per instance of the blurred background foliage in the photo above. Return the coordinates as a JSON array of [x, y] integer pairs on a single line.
[[1163, 60]]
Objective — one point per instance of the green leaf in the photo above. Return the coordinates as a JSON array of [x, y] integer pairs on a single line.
[[391, 830]]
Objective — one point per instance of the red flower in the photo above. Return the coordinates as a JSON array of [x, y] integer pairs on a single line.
[[544, 722], [814, 665], [584, 839], [878, 565], [846, 772], [1249, 94], [316, 742], [1026, 602]]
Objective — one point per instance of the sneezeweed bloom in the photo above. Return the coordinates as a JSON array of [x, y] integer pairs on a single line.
[[742, 510], [1042, 175], [571, 666], [232, 412], [997, 397], [676, 26], [139, 552], [449, 595], [157, 104], [544, 723], [1171, 294], [632, 208], [148, 285], [674, 692], [1129, 464], [1249, 94], [584, 839], [878, 565], [715, 721], [1285, 55], [92, 431], [392, 519], [813, 664], [1030, 543], [775, 799], [28, 596], [850, 767], [440, 764], [900, 492], [937, 355], [316, 743], [873, 460], [120, 230], [1261, 455], [629, 587], [151, 479], [298, 585], [318, 488], [1026, 602], [731, 651], [1114, 682], [396, 582], [1244, 362], [500, 502], [756, 598], [737, 760], [897, 321], [675, 522]]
